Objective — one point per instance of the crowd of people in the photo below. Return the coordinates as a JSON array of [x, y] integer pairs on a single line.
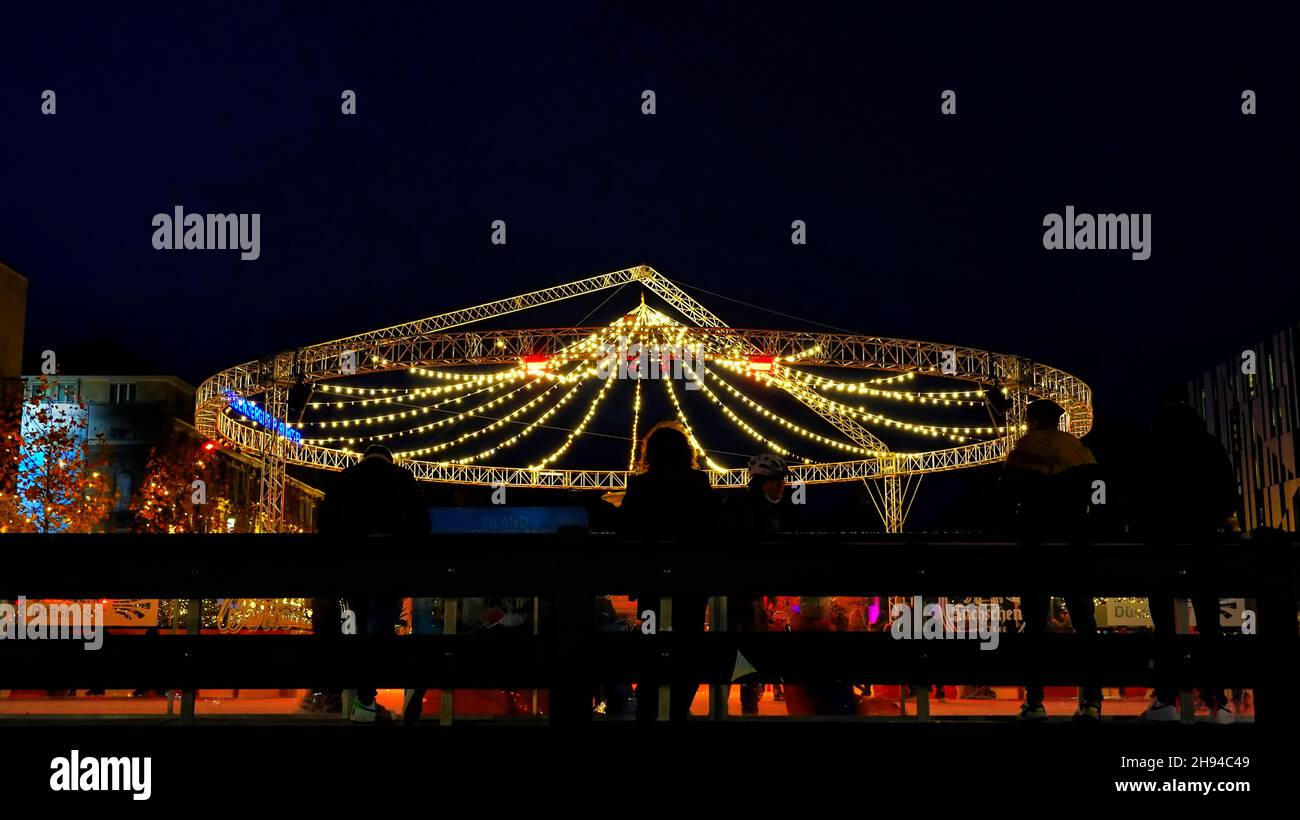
[[1048, 491]]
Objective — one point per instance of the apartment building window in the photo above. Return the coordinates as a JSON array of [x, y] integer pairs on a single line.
[[121, 393], [67, 392]]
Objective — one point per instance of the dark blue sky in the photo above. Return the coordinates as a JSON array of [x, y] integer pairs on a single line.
[[919, 225]]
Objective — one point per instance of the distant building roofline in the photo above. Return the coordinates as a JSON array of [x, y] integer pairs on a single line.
[[175, 381], [13, 270]]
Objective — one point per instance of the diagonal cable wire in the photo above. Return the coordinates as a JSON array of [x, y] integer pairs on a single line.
[[767, 310]]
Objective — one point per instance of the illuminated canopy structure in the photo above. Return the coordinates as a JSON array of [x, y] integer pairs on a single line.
[[516, 381]]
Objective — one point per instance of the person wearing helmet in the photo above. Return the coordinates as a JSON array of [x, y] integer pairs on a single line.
[[762, 510], [764, 505]]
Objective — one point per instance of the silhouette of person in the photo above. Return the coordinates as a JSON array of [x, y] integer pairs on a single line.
[[1189, 493], [373, 497], [669, 500], [764, 509], [1048, 480]]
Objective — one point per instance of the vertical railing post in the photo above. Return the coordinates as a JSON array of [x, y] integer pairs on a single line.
[[193, 622], [719, 693], [569, 665], [664, 696], [447, 697], [1277, 636]]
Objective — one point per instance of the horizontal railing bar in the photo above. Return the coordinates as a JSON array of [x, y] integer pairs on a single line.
[[187, 567], [523, 661]]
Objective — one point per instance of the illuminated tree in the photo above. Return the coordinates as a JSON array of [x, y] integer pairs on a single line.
[[62, 482], [11, 518], [165, 501]]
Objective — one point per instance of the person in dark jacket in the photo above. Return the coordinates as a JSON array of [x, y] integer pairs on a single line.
[[669, 500], [1047, 478], [1190, 494], [373, 497], [1048, 482], [764, 509]]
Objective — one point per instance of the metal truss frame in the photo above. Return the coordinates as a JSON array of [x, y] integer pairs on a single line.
[[437, 341]]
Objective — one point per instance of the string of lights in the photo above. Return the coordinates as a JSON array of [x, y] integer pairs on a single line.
[[636, 416], [545, 370], [740, 423], [777, 378], [956, 433], [494, 381], [577, 431], [591, 407], [386, 395], [472, 412], [784, 422], [449, 375], [946, 397], [419, 392], [528, 429], [686, 424], [495, 423]]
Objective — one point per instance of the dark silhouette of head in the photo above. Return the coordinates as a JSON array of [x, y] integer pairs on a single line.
[[378, 451], [666, 448], [1044, 414], [1177, 419], [1173, 415], [1171, 394]]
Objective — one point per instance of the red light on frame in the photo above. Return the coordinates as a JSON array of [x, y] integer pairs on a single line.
[[536, 363], [761, 364]]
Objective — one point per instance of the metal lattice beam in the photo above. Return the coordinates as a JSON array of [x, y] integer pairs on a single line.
[[250, 438], [432, 343], [270, 501]]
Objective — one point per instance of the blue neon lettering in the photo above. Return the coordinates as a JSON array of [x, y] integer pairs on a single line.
[[263, 418]]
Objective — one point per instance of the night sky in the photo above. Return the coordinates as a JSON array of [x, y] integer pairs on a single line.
[[919, 225]]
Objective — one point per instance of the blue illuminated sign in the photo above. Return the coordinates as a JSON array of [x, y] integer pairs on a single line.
[[263, 418]]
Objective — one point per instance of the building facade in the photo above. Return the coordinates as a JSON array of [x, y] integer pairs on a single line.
[[1256, 415], [13, 316], [124, 416]]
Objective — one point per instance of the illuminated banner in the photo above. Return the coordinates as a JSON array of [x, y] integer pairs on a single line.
[[1134, 612], [237, 614], [118, 611], [263, 418]]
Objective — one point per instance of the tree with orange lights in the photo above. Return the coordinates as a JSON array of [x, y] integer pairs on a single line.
[[61, 484], [168, 499]]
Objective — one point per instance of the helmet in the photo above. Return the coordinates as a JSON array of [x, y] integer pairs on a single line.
[[766, 464]]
